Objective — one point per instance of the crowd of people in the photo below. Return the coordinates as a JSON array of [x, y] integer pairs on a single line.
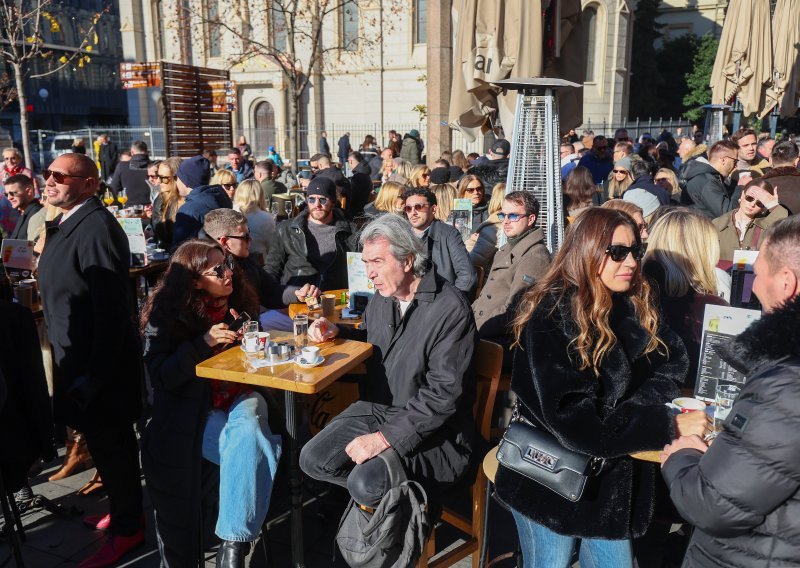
[[596, 339]]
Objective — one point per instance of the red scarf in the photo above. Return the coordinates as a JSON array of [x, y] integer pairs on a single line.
[[223, 393]]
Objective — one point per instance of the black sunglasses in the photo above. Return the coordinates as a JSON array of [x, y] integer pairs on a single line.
[[618, 253], [219, 270], [247, 237], [58, 176], [750, 199], [166, 179]]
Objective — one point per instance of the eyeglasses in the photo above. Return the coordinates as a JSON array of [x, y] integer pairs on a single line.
[[730, 157], [152, 176], [750, 199], [166, 179], [513, 217], [58, 176], [661, 180], [321, 200], [618, 253], [620, 171], [219, 270], [416, 207], [478, 189], [246, 237], [426, 175], [233, 185]]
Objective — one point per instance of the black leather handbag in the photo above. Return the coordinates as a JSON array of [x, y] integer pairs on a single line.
[[536, 454]]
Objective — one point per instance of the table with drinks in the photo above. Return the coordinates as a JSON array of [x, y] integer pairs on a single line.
[[287, 361], [725, 396], [333, 305]]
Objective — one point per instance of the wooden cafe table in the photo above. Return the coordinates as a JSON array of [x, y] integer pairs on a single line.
[[341, 356], [336, 319]]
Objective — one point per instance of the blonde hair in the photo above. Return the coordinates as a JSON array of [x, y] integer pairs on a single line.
[[416, 175], [628, 207], [249, 197], [498, 196], [388, 195], [171, 199], [686, 245], [445, 194], [223, 176], [673, 181]]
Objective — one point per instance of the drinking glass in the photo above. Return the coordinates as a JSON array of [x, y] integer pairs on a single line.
[[122, 197], [288, 206], [723, 402], [250, 339], [108, 198], [300, 325], [274, 209]]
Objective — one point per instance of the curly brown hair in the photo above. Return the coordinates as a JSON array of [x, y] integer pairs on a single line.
[[574, 274]]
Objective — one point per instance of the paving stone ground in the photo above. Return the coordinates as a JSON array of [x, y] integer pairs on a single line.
[[63, 541]]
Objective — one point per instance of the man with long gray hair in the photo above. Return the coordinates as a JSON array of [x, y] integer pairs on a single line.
[[418, 393]]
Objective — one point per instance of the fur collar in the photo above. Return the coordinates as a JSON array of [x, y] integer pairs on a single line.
[[782, 171], [773, 337]]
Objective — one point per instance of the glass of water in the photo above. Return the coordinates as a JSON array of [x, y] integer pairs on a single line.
[[288, 207], [300, 325], [274, 209], [723, 402]]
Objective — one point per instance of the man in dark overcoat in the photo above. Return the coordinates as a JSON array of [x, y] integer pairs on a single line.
[[83, 278]]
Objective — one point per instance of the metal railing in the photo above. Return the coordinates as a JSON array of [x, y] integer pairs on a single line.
[[48, 144]]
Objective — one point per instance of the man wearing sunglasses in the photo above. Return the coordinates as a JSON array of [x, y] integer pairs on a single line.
[[309, 252], [19, 191], [132, 176], [83, 280], [704, 180], [599, 160], [516, 266], [446, 249]]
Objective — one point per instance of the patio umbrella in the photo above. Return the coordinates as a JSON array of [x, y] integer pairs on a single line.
[[744, 60], [494, 41], [785, 86]]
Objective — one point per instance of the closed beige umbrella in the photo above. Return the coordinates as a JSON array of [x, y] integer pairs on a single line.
[[784, 89], [496, 40], [744, 60]]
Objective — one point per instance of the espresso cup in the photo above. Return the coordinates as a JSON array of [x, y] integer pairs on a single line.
[[24, 295], [310, 353], [688, 404], [328, 305]]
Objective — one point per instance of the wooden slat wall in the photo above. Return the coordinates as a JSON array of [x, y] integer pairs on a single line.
[[191, 127]]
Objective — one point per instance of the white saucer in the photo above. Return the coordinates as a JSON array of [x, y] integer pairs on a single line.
[[309, 365]]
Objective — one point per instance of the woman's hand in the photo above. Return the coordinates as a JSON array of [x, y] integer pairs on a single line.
[[219, 335], [308, 290], [322, 330], [695, 423]]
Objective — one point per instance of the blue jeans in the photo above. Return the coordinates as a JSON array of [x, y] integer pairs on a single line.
[[247, 453], [542, 548]]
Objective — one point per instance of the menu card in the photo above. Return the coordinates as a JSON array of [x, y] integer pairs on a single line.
[[357, 280], [138, 245], [18, 258], [720, 324]]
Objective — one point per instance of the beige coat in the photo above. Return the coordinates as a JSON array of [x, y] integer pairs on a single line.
[[513, 271], [729, 237]]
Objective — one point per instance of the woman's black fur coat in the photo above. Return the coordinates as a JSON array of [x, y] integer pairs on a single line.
[[608, 416]]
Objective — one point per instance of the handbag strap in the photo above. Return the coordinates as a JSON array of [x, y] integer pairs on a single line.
[[397, 472]]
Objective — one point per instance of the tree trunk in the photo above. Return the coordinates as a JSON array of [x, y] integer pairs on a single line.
[[294, 124], [19, 80]]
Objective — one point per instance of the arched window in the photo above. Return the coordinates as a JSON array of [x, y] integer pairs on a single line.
[[590, 33], [264, 135]]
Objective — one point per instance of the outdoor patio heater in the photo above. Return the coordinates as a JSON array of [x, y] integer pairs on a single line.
[[535, 164], [715, 123]]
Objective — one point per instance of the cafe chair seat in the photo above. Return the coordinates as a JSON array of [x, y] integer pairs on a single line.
[[487, 362]]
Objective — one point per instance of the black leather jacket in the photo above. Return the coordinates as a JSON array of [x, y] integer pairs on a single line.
[[288, 261]]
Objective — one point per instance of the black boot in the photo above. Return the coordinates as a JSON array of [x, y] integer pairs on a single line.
[[231, 554]]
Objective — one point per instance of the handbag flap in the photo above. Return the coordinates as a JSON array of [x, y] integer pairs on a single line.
[[541, 449]]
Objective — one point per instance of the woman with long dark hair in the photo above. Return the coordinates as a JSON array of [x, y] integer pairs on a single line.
[[184, 322], [594, 368], [580, 192]]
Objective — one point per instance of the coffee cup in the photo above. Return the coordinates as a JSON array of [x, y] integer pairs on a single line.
[[263, 338], [34, 284], [310, 353], [328, 305], [688, 404]]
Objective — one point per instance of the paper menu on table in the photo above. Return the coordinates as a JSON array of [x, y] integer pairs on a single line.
[[357, 280], [138, 245], [720, 324], [18, 258]]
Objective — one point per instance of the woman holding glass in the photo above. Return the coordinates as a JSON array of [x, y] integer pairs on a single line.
[[184, 322], [594, 368]]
